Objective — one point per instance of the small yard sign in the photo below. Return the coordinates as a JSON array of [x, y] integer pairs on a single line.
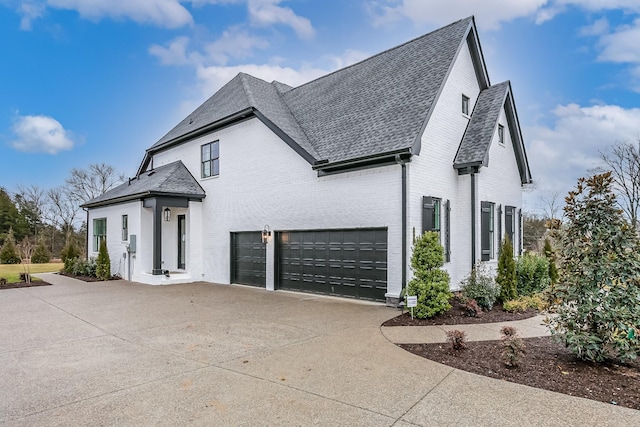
[[412, 301]]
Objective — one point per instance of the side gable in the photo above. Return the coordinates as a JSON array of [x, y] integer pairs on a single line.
[[474, 147]]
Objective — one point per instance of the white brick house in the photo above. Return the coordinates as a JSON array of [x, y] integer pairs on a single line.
[[343, 172]]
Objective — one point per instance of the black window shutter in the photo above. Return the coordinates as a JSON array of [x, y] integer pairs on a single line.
[[519, 231], [447, 231], [499, 226], [427, 213], [485, 243], [508, 222]]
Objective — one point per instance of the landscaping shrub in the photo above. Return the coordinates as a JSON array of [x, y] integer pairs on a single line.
[[430, 284], [79, 267], [40, 254], [9, 252], [521, 304], [506, 277], [532, 272], [103, 263], [457, 339], [550, 255], [512, 346], [597, 297], [481, 287], [70, 251], [472, 308]]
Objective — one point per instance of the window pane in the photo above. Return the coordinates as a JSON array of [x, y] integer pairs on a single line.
[[206, 152], [214, 150], [206, 169], [216, 167], [436, 215]]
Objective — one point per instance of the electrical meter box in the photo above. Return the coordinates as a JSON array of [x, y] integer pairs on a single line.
[[132, 244]]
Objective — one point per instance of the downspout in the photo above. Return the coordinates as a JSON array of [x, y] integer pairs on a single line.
[[403, 165], [87, 238], [473, 219]]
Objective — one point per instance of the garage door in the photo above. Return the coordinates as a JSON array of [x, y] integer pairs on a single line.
[[248, 259], [351, 263]]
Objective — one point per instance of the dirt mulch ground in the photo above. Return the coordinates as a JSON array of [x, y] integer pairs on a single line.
[[23, 285], [547, 365], [83, 278], [457, 315]]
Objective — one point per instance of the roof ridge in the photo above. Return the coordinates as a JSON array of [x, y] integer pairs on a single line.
[[304, 132], [468, 18], [247, 90]]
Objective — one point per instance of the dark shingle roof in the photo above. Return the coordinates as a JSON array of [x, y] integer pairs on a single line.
[[375, 106], [482, 126], [172, 179]]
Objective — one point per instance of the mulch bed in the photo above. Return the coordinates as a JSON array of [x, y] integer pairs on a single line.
[[23, 285], [83, 278], [547, 365], [457, 315]]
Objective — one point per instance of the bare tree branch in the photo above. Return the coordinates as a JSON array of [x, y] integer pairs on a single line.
[[623, 160], [86, 184]]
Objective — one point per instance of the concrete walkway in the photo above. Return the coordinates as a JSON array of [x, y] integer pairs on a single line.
[[122, 353], [527, 328]]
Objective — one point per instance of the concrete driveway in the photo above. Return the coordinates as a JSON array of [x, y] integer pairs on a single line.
[[121, 353]]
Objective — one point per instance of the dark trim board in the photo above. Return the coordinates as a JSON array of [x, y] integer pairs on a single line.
[[341, 262]]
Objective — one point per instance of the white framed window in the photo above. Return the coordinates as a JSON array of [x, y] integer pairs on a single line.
[[125, 228], [99, 232], [465, 105], [210, 159]]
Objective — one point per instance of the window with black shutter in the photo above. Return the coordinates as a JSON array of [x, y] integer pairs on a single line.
[[431, 220], [509, 222], [486, 231]]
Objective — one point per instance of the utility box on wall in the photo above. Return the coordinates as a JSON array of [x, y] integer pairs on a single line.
[[132, 244]]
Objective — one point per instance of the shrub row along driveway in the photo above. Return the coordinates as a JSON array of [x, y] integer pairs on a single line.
[[122, 353]]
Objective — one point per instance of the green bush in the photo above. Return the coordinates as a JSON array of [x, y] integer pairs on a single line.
[[430, 284], [9, 252], [103, 263], [69, 251], [597, 297], [524, 303], [550, 255], [506, 277], [80, 267], [532, 271], [481, 287], [40, 254]]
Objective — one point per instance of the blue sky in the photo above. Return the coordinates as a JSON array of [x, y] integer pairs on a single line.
[[86, 81]]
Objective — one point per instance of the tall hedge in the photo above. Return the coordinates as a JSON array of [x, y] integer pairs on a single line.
[[506, 277], [9, 252], [103, 263]]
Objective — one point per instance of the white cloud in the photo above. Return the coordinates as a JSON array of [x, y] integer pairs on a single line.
[[488, 13], [622, 45], [267, 12], [234, 43], [30, 11], [175, 53], [560, 154], [599, 27], [214, 77], [40, 134]]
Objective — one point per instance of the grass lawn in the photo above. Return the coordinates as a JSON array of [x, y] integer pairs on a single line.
[[11, 272]]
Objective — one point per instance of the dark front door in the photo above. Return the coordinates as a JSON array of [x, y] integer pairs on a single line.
[[351, 263], [248, 259], [182, 241]]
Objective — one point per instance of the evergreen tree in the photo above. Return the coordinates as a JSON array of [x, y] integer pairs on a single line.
[[9, 252], [103, 263], [550, 254], [507, 278], [40, 254], [430, 284]]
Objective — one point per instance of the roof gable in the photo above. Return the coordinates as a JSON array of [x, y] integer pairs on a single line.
[[474, 147], [172, 179]]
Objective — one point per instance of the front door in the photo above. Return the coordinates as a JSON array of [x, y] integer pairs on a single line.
[[182, 241]]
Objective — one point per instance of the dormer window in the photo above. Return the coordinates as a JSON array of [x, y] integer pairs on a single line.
[[465, 105], [501, 134]]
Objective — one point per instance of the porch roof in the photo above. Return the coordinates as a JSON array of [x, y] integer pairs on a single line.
[[171, 180]]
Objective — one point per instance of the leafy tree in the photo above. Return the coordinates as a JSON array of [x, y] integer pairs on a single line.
[[9, 252], [597, 297], [41, 254], [532, 272], [103, 263], [10, 217], [506, 277], [430, 284]]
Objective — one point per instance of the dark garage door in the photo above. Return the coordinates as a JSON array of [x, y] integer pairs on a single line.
[[350, 263], [248, 259]]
